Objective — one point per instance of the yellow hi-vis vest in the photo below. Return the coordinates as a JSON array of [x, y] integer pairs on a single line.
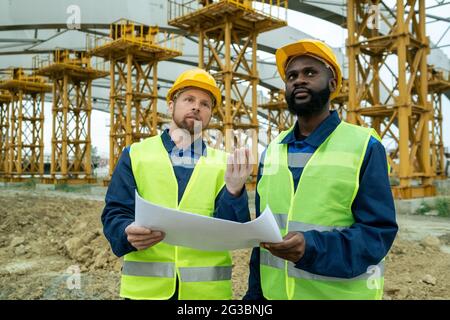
[[152, 273], [323, 199]]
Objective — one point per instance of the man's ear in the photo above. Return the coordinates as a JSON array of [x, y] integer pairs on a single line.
[[170, 107], [332, 84]]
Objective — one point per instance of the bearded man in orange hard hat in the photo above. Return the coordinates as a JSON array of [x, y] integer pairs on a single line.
[[177, 170], [326, 181]]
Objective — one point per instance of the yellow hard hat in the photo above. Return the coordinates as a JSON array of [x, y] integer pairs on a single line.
[[198, 78], [310, 47]]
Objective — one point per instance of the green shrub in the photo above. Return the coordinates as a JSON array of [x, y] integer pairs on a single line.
[[423, 208], [443, 207]]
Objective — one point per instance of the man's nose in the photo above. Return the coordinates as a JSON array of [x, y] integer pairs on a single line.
[[196, 106], [300, 80]]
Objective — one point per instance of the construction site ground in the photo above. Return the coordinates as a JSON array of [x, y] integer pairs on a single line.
[[47, 237]]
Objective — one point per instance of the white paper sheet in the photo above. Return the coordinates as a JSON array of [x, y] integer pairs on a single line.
[[206, 233]]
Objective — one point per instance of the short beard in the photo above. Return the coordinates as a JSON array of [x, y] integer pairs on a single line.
[[194, 129], [183, 125], [316, 105]]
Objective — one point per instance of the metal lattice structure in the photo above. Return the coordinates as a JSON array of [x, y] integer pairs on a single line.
[[72, 76], [437, 84], [5, 100], [133, 51], [404, 113], [25, 151], [278, 116], [227, 31]]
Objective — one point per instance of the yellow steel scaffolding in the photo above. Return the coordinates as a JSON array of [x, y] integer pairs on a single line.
[[133, 51], [400, 112], [278, 116], [438, 83], [72, 77], [5, 100], [25, 154]]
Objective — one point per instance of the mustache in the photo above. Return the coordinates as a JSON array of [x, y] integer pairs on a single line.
[[192, 115], [301, 89]]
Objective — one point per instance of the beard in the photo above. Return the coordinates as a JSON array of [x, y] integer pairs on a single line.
[[316, 105], [193, 126], [189, 125]]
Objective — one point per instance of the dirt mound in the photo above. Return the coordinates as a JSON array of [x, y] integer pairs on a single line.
[[417, 271], [42, 237], [39, 226]]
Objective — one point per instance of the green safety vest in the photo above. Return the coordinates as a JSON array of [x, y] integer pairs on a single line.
[[323, 200], [152, 273]]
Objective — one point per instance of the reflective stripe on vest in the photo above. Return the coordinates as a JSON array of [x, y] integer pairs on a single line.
[[167, 270], [205, 274], [148, 269], [152, 273], [282, 220], [322, 202], [275, 262]]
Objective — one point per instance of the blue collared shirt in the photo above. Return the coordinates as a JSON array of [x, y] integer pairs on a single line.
[[120, 198], [347, 253]]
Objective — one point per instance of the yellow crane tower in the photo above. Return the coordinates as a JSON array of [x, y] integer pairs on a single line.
[[438, 83], [72, 77], [388, 86], [278, 116], [25, 151], [227, 31], [5, 100], [133, 51]]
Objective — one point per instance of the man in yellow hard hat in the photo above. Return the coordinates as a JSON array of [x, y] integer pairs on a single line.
[[177, 170], [326, 181]]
